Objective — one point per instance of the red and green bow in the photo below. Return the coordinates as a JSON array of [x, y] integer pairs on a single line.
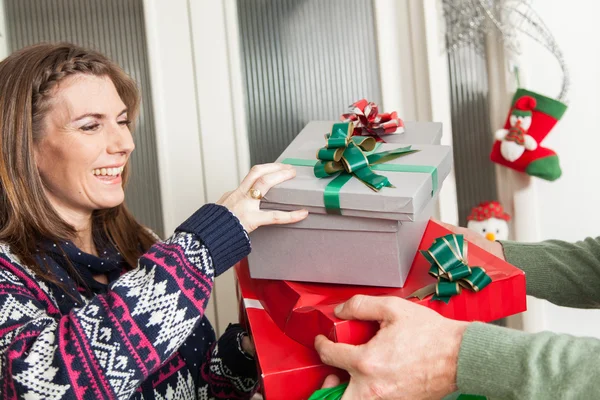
[[367, 122]]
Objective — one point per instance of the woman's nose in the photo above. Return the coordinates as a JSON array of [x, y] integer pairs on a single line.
[[120, 140]]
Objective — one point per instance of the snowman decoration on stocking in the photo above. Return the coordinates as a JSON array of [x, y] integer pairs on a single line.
[[514, 141]]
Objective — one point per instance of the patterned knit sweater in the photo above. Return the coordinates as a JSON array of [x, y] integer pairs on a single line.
[[144, 338]]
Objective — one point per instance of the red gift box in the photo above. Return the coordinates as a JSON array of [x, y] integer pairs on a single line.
[[285, 316], [288, 370]]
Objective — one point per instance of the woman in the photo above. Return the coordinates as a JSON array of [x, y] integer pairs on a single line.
[[92, 305], [418, 354]]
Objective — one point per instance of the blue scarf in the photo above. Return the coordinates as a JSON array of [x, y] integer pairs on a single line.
[[61, 257]]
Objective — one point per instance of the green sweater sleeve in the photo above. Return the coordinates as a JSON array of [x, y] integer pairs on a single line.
[[567, 274], [501, 363], [508, 364]]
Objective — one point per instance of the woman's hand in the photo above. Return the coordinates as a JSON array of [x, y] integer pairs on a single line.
[[491, 247], [260, 179], [248, 346]]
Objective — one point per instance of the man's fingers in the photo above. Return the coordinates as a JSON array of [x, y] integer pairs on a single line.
[[368, 308], [330, 382], [340, 355]]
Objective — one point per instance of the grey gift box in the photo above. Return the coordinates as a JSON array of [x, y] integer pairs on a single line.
[[375, 239]]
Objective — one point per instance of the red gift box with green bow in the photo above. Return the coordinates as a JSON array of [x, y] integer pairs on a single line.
[[449, 275]]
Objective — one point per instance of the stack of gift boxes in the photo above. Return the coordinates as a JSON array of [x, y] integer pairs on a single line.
[[370, 200]]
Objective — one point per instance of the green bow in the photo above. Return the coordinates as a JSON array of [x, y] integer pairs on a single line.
[[344, 156], [448, 258]]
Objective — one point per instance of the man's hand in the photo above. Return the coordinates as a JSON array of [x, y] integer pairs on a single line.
[[413, 356]]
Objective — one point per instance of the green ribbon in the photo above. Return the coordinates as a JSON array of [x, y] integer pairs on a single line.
[[448, 258], [334, 393], [345, 156], [424, 169]]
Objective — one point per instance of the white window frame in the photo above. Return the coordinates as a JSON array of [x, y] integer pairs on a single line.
[[414, 73], [199, 113]]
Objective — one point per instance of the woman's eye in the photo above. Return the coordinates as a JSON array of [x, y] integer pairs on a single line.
[[88, 128], [125, 123]]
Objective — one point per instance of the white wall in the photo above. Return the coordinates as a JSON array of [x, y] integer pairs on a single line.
[[568, 207]]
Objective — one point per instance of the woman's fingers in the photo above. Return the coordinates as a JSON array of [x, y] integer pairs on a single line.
[[248, 346], [265, 182], [243, 204], [278, 217], [259, 170]]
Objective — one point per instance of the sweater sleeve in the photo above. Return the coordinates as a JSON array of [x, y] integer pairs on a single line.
[[501, 363], [567, 274], [108, 347], [228, 372]]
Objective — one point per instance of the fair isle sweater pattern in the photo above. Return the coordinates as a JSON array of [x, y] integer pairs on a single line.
[[132, 341]]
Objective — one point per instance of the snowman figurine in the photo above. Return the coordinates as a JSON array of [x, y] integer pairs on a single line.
[[489, 220], [515, 141]]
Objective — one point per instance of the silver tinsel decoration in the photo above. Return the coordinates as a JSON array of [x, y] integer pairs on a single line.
[[469, 21]]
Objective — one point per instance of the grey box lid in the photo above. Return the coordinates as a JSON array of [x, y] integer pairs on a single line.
[[411, 194]]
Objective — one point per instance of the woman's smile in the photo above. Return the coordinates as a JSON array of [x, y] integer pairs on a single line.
[[109, 175]]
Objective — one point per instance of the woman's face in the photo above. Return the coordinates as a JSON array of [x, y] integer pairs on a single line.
[[84, 146]]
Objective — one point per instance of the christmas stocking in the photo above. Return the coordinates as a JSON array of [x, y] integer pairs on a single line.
[[530, 120]]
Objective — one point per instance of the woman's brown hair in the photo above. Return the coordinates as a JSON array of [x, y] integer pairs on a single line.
[[28, 78]]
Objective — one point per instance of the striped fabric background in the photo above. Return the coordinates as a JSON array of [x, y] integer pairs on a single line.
[[472, 136], [303, 60]]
